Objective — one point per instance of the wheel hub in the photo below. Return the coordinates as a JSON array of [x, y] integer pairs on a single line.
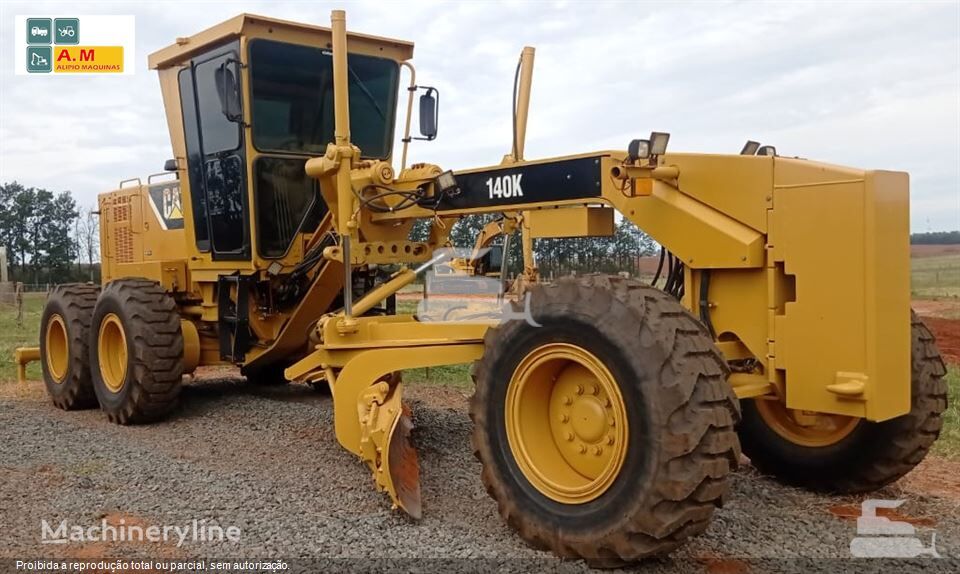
[[805, 428], [57, 348], [112, 351], [588, 419], [566, 423]]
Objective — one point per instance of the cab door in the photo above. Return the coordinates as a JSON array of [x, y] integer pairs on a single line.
[[216, 160]]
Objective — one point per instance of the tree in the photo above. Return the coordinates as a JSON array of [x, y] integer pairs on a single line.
[[936, 238], [16, 206], [420, 230], [88, 239], [58, 246], [35, 225]]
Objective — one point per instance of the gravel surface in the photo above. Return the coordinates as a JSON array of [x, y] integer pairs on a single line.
[[265, 460]]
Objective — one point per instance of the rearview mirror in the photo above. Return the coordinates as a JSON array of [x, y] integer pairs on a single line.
[[227, 91], [429, 113]]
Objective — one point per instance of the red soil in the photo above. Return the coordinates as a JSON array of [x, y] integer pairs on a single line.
[[947, 332]]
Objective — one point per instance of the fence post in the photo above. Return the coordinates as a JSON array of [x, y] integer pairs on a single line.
[[18, 299]]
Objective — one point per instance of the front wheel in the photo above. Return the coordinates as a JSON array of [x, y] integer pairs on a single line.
[[606, 433], [833, 453]]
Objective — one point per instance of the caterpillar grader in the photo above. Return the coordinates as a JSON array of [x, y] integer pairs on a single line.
[[609, 412]]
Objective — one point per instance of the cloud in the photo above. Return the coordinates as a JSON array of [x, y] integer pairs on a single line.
[[867, 85]]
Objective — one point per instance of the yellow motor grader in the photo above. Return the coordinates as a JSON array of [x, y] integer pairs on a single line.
[[609, 412]]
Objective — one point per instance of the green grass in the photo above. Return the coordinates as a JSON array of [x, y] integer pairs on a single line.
[[457, 376], [451, 375], [949, 443], [12, 336], [935, 277]]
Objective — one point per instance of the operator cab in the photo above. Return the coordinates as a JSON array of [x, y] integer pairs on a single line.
[[248, 102]]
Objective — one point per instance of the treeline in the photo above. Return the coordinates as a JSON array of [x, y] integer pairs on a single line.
[[47, 238], [935, 238], [562, 256]]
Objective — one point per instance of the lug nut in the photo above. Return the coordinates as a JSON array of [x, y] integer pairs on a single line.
[[583, 448], [598, 451], [579, 389], [564, 418], [569, 436], [567, 400], [595, 390], [610, 439], [611, 422]]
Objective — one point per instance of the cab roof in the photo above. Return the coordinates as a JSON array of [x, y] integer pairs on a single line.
[[185, 48]]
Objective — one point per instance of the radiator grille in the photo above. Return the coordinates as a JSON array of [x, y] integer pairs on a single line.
[[122, 234]]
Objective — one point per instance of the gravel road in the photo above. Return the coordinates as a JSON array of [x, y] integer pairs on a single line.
[[266, 462]]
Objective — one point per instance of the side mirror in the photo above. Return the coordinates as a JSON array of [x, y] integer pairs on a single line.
[[492, 260], [429, 104], [170, 165], [227, 91]]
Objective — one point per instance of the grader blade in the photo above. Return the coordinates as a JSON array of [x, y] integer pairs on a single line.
[[403, 466], [385, 445]]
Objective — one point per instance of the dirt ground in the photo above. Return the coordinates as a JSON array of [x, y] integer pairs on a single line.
[[265, 460], [941, 316], [933, 250]]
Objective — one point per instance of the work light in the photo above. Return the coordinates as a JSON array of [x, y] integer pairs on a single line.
[[750, 148], [446, 183], [767, 150], [638, 149], [658, 143]]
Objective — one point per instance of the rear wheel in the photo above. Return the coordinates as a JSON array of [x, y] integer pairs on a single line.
[[607, 433], [835, 453], [64, 336], [136, 351]]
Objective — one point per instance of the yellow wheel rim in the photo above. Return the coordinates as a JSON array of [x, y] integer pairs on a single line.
[[805, 428], [57, 348], [566, 423], [112, 351]]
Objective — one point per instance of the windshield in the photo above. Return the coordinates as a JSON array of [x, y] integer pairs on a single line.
[[293, 99]]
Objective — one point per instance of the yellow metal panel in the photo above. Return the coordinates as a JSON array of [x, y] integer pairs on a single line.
[[846, 245], [791, 171], [887, 292], [819, 236], [738, 185], [170, 274], [402, 331], [747, 386], [571, 222], [737, 298], [363, 368], [703, 237], [251, 24]]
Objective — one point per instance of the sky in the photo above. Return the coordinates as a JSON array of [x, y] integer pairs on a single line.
[[869, 85]]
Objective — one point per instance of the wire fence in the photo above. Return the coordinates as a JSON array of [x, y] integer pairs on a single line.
[[11, 299], [37, 287]]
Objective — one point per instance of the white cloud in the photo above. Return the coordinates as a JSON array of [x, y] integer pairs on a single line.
[[868, 85]]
